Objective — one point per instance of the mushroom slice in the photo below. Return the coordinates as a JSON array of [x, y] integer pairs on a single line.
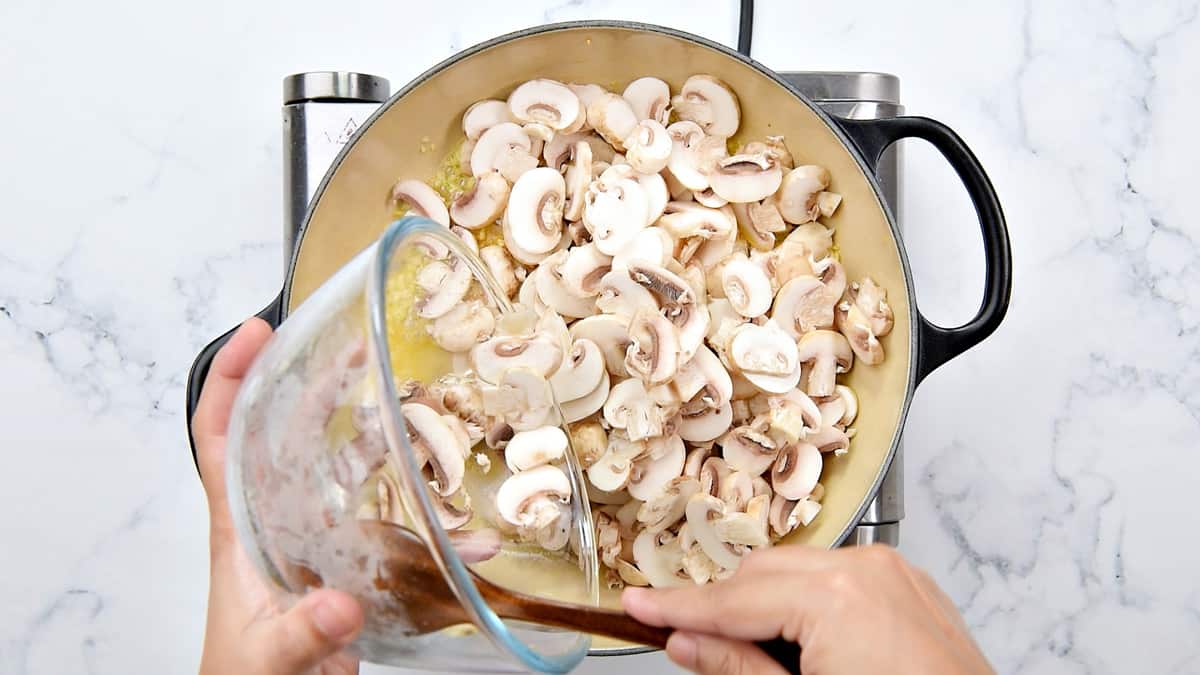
[[613, 118], [694, 461], [666, 286], [747, 449], [533, 448], [703, 373], [483, 204], [545, 102], [587, 92], [714, 474], [766, 356], [467, 237], [630, 408], [484, 115], [553, 290], [660, 563], [864, 344], [702, 512], [709, 198], [522, 398], [501, 267], [449, 515], [588, 404], [657, 195], [540, 354], [704, 423], [797, 470], [830, 354], [691, 153], [650, 99], [759, 222], [583, 269], [828, 202], [608, 537], [736, 490], [870, 299], [788, 514], [535, 210], [749, 528], [648, 147], [422, 200], [710, 103], [614, 213], [840, 410], [578, 177], [435, 442], [747, 287], [793, 415], [613, 470], [588, 441], [464, 326], [521, 255], [579, 373], [745, 178], [497, 145], [651, 474], [829, 439], [621, 295], [797, 197], [652, 246], [611, 335], [653, 353], [664, 509], [558, 150], [780, 152], [802, 306], [444, 285], [532, 499]]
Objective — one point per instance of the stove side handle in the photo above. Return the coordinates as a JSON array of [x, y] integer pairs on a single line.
[[272, 314], [935, 344]]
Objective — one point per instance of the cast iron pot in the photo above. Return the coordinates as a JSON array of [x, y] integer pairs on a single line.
[[350, 208]]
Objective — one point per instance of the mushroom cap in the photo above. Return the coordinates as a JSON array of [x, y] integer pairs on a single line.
[[613, 118], [796, 198], [705, 424], [546, 102], [710, 103], [464, 326], [664, 509], [535, 210], [660, 564], [621, 295], [709, 198], [614, 213], [444, 286], [483, 115], [746, 287], [558, 150], [684, 220], [483, 204], [746, 449], [648, 147], [553, 291], [583, 269], [586, 405], [745, 178], [765, 350], [689, 150], [802, 306], [422, 200], [496, 145], [652, 474], [611, 335], [657, 195], [650, 99], [653, 352], [828, 202], [581, 371], [797, 470], [540, 354], [630, 408], [833, 274], [829, 353], [435, 442], [521, 255], [532, 498], [587, 92], [702, 511], [612, 471], [652, 246], [533, 448]]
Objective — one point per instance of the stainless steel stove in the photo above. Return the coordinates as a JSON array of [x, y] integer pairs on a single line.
[[323, 110]]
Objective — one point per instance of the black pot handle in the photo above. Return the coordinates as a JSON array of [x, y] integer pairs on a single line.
[[937, 345], [272, 314]]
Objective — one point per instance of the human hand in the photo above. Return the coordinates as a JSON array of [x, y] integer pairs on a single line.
[[851, 610], [246, 632]]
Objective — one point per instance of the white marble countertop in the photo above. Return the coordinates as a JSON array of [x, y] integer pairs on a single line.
[[1046, 470]]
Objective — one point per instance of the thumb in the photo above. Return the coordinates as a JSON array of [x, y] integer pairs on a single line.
[[318, 627], [710, 655]]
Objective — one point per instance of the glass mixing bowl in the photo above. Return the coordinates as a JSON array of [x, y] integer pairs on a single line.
[[347, 419]]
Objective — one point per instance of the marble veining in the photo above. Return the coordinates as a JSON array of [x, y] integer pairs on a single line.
[[1050, 472]]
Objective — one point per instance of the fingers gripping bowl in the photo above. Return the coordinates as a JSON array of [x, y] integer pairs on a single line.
[[410, 137]]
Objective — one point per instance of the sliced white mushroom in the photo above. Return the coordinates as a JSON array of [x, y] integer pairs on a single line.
[[829, 354], [657, 195], [546, 102], [802, 306], [747, 449], [583, 269], [797, 197], [521, 255], [464, 326], [714, 473], [611, 335], [577, 178], [443, 286], [704, 423], [709, 198], [703, 373], [613, 118], [710, 103], [745, 178], [535, 210], [766, 356], [501, 267], [614, 213], [522, 398], [797, 470], [422, 200], [759, 222], [788, 514], [484, 115], [558, 151], [793, 416], [702, 513], [653, 353], [650, 99], [736, 490], [630, 408], [621, 295], [841, 409], [499, 145], [553, 290], [648, 147], [580, 372], [746, 287], [588, 404], [483, 204], [652, 246], [664, 509], [828, 202], [749, 528], [533, 498], [436, 443], [829, 439], [651, 474], [490, 359], [692, 153], [613, 470], [661, 564], [533, 448]]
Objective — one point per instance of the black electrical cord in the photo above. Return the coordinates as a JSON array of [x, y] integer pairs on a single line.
[[746, 27]]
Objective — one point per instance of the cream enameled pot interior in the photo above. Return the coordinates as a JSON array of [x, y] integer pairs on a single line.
[[412, 133]]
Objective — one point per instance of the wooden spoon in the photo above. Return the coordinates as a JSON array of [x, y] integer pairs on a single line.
[[412, 577]]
